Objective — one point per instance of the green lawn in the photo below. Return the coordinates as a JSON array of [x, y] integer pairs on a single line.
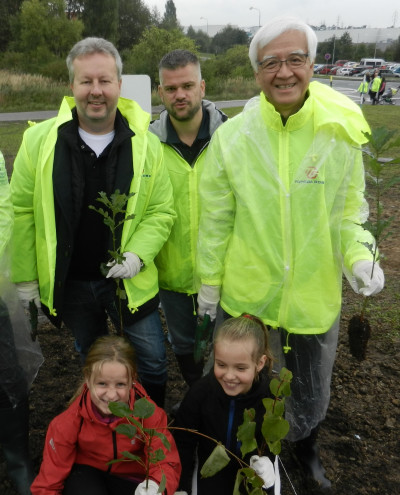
[[377, 116]]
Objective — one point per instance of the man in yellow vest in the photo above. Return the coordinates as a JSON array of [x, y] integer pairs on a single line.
[[98, 142], [282, 201], [185, 128]]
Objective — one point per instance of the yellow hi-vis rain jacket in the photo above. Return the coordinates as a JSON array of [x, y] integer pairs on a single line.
[[34, 238], [281, 210]]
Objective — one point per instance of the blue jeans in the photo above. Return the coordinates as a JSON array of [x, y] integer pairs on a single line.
[[86, 308], [180, 313]]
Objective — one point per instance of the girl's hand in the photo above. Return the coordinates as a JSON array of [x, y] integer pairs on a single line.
[[264, 469], [152, 488]]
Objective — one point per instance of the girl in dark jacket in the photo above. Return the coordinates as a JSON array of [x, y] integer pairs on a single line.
[[215, 404]]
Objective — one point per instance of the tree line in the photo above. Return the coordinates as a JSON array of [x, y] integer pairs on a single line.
[[36, 35]]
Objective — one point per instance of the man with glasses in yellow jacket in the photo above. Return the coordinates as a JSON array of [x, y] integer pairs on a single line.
[[282, 200]]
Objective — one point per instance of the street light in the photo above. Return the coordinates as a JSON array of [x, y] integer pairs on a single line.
[[259, 15], [206, 22]]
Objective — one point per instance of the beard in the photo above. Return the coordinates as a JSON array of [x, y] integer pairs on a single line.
[[190, 112]]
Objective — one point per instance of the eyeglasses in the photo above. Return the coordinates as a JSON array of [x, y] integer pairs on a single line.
[[273, 64]]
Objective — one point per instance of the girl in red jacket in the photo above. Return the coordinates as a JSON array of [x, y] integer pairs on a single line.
[[82, 440]]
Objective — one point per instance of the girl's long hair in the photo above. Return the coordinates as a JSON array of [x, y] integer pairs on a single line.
[[107, 349], [244, 327]]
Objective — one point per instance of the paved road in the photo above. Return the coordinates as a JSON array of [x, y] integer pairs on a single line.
[[43, 115]]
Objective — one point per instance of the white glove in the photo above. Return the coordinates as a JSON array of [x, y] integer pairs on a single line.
[[152, 488], [130, 266], [28, 291], [264, 468], [207, 300], [364, 284]]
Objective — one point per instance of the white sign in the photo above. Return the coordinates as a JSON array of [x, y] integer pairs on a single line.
[[137, 87]]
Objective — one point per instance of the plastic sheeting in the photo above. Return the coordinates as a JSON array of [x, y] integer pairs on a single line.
[[310, 359], [20, 355]]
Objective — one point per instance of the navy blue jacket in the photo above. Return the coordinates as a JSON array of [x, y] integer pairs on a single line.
[[207, 409]]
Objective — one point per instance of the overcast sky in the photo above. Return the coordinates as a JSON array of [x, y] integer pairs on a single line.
[[383, 13]]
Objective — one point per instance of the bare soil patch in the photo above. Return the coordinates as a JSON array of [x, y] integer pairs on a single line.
[[360, 437]]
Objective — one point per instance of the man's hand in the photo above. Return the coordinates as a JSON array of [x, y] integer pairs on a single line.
[[366, 285], [152, 488], [130, 266], [264, 469], [207, 300], [27, 292]]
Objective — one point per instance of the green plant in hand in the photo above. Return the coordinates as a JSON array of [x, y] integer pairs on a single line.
[[114, 216], [142, 409], [274, 429], [381, 174]]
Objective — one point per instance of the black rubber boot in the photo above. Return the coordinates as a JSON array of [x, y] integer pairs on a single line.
[[307, 454], [14, 440], [156, 391], [191, 371]]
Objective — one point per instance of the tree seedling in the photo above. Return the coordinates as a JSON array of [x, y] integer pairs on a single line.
[[114, 216], [380, 141], [274, 429]]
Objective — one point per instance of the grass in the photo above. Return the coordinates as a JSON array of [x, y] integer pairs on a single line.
[[23, 92]]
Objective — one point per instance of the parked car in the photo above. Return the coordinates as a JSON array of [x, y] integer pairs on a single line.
[[386, 72], [317, 66], [341, 63], [334, 70], [365, 72], [350, 64], [325, 69], [344, 71], [355, 71]]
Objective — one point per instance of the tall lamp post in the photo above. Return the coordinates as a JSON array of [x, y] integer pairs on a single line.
[[206, 22], [259, 15]]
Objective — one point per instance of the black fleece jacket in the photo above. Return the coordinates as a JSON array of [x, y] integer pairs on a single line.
[[207, 409]]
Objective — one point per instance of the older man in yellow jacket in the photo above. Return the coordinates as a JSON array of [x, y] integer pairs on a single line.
[[282, 200]]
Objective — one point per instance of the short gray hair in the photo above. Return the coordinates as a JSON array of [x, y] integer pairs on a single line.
[[90, 46], [275, 28], [176, 59]]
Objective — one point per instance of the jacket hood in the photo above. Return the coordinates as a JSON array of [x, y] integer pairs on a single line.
[[159, 126], [325, 106], [334, 107], [84, 405]]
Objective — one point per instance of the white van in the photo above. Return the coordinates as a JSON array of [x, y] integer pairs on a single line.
[[372, 62]]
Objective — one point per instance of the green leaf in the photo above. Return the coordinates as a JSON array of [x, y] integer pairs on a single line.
[[274, 386], [131, 457], [275, 447], [274, 428], [163, 484], [269, 404], [217, 460], [157, 456], [163, 439], [246, 433], [120, 409], [143, 408], [121, 292], [248, 479], [128, 430]]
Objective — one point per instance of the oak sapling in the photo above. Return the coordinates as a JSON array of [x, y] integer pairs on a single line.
[[114, 216], [381, 178]]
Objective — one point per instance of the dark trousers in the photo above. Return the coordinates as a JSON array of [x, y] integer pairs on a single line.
[[87, 480]]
